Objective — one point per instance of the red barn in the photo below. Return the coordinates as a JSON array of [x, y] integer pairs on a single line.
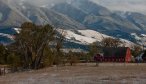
[[119, 54]]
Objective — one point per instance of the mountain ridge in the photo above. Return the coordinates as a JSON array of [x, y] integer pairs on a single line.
[[75, 15]]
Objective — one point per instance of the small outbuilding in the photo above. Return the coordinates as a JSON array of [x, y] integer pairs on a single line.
[[144, 56], [141, 57], [116, 54]]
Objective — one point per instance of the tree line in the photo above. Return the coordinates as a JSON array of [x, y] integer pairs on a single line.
[[37, 46]]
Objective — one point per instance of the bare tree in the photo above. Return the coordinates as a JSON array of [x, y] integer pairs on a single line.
[[59, 44], [136, 50], [111, 42], [59, 39], [93, 49], [32, 41], [3, 54]]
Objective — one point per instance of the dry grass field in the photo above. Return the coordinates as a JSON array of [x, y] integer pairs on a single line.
[[105, 73]]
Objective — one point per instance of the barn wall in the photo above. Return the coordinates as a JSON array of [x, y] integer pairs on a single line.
[[128, 55], [116, 55]]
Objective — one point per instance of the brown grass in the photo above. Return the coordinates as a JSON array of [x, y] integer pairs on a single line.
[[106, 73]]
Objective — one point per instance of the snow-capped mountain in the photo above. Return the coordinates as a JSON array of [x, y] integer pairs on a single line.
[[87, 37], [83, 20]]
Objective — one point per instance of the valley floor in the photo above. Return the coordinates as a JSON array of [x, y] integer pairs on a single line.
[[105, 73]]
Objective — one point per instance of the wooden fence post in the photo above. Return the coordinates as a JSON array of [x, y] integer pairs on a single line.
[[0, 72]]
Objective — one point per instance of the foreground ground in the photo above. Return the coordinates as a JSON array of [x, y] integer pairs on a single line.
[[107, 73]]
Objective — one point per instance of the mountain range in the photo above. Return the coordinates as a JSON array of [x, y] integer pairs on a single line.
[[74, 15]]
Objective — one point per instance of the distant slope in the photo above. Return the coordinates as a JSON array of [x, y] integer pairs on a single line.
[[10, 17], [73, 16], [86, 37], [95, 17], [61, 21], [70, 11]]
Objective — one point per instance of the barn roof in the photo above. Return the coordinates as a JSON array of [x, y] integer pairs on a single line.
[[115, 51]]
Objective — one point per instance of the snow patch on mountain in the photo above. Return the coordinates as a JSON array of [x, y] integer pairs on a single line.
[[143, 35], [17, 30], [127, 43], [89, 36], [7, 35], [80, 38], [135, 36], [139, 37], [93, 34]]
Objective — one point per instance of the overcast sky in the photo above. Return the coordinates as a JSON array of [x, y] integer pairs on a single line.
[[124, 5]]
